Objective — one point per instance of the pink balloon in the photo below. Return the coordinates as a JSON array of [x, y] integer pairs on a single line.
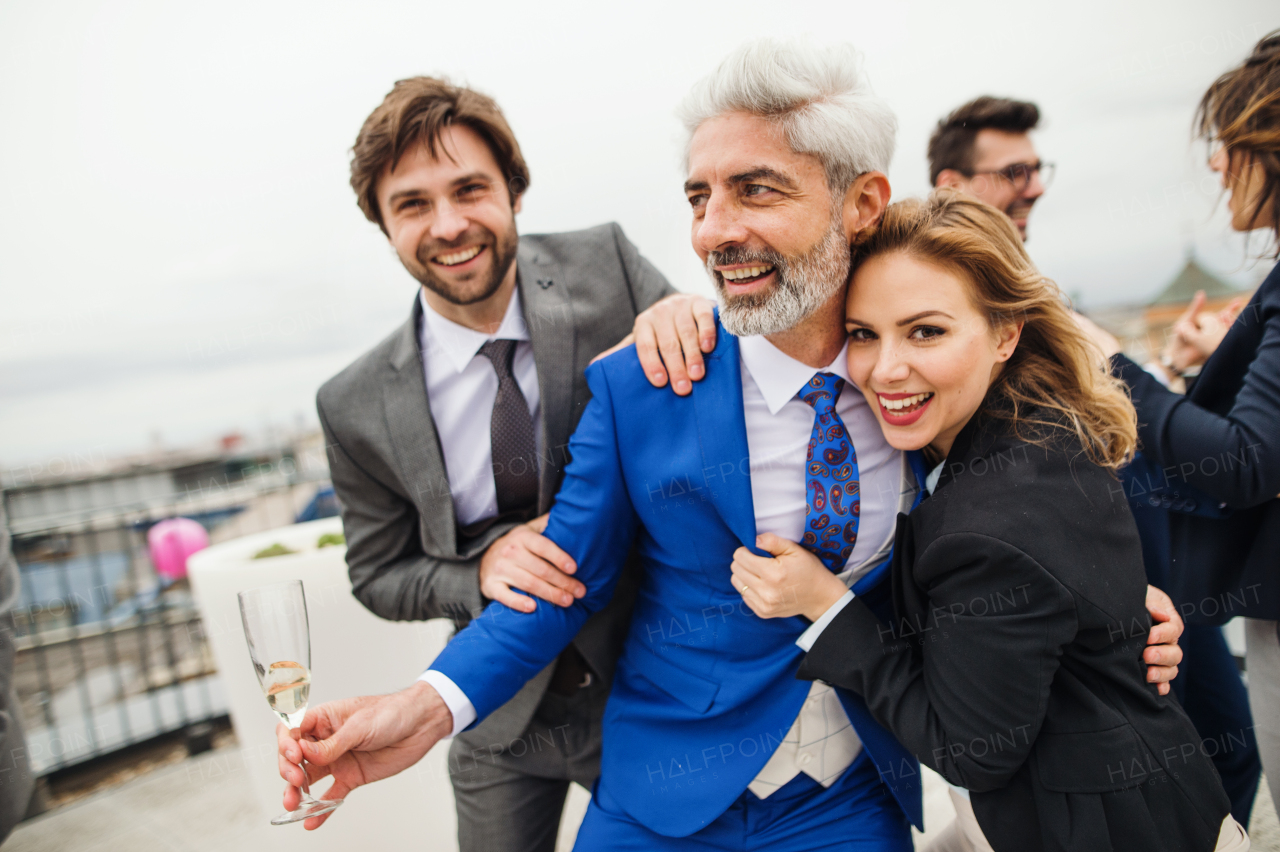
[[171, 542]]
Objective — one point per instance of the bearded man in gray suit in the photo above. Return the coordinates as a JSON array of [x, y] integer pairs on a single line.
[[447, 441]]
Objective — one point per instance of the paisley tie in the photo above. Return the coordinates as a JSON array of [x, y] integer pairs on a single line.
[[831, 477]]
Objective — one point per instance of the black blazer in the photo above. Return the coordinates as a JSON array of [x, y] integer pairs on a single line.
[[1013, 667], [1223, 438]]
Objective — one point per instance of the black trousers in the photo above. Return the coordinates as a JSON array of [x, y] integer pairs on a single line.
[[1211, 691], [1208, 683]]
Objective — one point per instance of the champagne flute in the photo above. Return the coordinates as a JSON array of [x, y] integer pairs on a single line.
[[276, 628]]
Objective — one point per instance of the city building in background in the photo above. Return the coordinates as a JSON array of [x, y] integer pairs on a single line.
[[1144, 327], [111, 652]]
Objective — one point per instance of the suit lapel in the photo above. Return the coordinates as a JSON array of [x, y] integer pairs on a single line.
[[548, 314], [722, 434], [414, 438]]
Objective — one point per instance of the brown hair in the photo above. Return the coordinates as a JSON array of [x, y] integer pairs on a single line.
[[952, 142], [1055, 367], [1242, 109], [415, 112]]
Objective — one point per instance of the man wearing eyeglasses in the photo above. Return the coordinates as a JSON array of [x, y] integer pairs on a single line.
[[984, 148]]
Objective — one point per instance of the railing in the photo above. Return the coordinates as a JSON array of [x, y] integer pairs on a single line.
[[107, 652]]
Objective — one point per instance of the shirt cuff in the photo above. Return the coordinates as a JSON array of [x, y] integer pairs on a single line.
[[464, 712], [1157, 372], [811, 635]]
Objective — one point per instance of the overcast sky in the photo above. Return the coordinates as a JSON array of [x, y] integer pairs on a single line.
[[180, 253]]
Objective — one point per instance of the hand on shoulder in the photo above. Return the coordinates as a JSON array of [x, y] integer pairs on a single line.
[[671, 338]]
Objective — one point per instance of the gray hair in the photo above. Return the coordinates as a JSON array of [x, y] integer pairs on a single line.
[[818, 95]]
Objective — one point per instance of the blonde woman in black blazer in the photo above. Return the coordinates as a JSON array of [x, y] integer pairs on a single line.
[[1013, 665]]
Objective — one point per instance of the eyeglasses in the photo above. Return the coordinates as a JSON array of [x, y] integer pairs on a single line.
[[1019, 174]]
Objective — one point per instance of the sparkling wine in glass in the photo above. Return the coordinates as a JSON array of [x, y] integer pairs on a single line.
[[275, 626]]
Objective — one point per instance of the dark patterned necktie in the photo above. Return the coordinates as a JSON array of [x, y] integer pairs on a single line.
[[831, 477], [515, 456]]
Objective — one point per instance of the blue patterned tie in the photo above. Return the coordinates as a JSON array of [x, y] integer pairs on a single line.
[[831, 477]]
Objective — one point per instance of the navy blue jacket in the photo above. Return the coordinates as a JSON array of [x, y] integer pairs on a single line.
[[1222, 439]]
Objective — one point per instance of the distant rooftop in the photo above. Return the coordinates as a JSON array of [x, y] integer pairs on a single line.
[[1193, 277]]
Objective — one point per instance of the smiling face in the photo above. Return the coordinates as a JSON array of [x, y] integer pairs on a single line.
[[919, 349], [765, 224], [451, 219], [994, 150]]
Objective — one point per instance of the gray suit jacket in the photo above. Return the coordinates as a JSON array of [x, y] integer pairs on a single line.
[[580, 292]]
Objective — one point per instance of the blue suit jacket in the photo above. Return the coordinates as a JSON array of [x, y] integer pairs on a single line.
[[705, 690]]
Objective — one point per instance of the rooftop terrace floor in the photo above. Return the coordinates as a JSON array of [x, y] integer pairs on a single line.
[[203, 804]]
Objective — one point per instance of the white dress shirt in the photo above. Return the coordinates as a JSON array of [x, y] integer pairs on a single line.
[[461, 387], [779, 425], [822, 742], [810, 636], [1157, 372]]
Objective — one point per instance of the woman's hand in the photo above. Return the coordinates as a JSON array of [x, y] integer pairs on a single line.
[[791, 582], [1179, 353], [1202, 332], [1162, 654]]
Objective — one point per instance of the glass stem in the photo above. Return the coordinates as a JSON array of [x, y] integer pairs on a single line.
[[291, 723], [306, 788]]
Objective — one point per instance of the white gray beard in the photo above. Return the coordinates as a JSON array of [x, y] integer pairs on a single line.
[[804, 284]]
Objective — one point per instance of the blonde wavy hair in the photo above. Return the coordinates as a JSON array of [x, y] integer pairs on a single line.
[[1056, 370]]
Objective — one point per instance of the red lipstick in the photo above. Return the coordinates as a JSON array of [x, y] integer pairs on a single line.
[[902, 416]]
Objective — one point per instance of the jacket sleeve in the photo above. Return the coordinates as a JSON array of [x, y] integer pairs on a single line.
[[594, 522], [965, 689], [646, 283], [1235, 457], [389, 573]]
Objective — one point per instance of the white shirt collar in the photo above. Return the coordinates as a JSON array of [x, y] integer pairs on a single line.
[[779, 376], [459, 343], [931, 481]]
